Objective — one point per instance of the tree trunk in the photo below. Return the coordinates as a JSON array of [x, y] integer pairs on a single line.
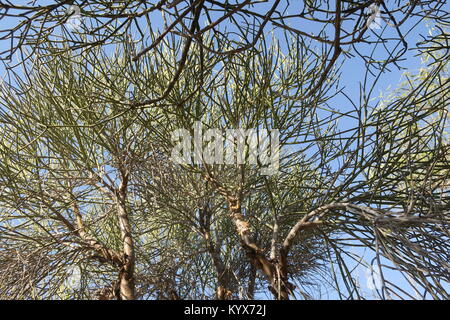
[[274, 270], [126, 275], [223, 291]]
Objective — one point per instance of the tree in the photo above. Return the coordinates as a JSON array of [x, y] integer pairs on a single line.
[[89, 185]]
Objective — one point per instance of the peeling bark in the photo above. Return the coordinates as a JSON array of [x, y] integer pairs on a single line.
[[274, 270], [126, 274]]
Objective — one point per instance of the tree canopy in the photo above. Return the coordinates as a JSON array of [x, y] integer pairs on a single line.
[[93, 205]]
